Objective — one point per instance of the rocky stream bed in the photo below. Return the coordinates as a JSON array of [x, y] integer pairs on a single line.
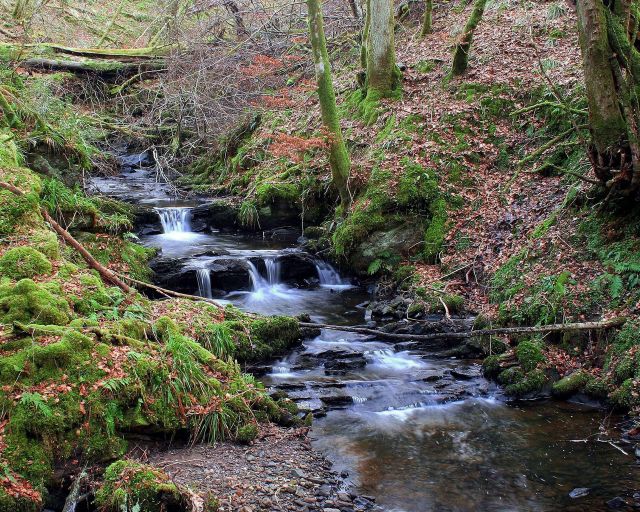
[[407, 426]]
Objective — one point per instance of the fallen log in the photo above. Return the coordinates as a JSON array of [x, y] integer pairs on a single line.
[[581, 326], [170, 293], [104, 69], [106, 53]]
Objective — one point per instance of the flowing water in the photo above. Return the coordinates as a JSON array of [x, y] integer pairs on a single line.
[[418, 431]]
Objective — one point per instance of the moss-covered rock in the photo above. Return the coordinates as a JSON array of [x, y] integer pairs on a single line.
[[29, 302], [130, 485], [570, 384], [24, 262], [529, 354], [525, 385]]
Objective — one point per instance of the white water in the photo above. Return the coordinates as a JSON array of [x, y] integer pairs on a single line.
[[204, 282], [273, 270], [175, 220], [329, 276]]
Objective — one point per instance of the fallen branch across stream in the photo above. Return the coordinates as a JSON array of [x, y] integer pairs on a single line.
[[170, 293], [582, 326]]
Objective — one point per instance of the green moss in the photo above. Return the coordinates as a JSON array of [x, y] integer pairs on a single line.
[[269, 193], [28, 302], [128, 484], [529, 354], [532, 382], [571, 384], [24, 262], [95, 297], [18, 213], [47, 243], [247, 433], [437, 230], [626, 396], [491, 367]]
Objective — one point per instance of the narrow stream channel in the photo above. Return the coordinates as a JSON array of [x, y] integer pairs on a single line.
[[417, 431]]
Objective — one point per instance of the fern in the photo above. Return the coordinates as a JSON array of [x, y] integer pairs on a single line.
[[374, 267], [115, 385], [36, 402]]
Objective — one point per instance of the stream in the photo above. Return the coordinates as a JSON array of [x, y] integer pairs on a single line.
[[417, 431]]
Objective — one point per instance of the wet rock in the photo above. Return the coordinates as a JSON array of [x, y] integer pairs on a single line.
[[433, 378], [579, 492], [465, 374], [220, 214], [137, 160], [171, 273], [230, 274], [298, 268], [617, 503], [342, 365], [337, 401], [212, 253]]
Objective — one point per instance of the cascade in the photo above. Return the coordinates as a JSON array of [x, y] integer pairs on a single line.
[[273, 270], [204, 283], [273, 274], [175, 220], [328, 275]]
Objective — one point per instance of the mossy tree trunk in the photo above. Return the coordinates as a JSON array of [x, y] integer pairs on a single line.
[[427, 22], [611, 58], [383, 75], [11, 118], [463, 47], [338, 155]]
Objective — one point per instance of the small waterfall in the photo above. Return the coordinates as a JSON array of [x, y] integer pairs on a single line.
[[273, 270], [328, 275], [273, 274], [257, 281], [175, 220], [204, 283]]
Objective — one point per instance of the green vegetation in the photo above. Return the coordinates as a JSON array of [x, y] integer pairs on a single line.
[[24, 262], [129, 485]]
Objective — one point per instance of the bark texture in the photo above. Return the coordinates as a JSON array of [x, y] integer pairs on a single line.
[[338, 155], [461, 53], [383, 76], [608, 39]]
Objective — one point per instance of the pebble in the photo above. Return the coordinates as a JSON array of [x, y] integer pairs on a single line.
[[579, 492], [616, 503]]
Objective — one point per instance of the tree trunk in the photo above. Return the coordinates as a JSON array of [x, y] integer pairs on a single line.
[[461, 54], [383, 76], [338, 155], [427, 22], [611, 61]]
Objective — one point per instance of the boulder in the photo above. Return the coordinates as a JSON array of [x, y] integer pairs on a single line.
[[230, 275], [404, 240]]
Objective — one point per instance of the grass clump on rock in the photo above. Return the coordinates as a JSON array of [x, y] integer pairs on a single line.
[[130, 485]]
